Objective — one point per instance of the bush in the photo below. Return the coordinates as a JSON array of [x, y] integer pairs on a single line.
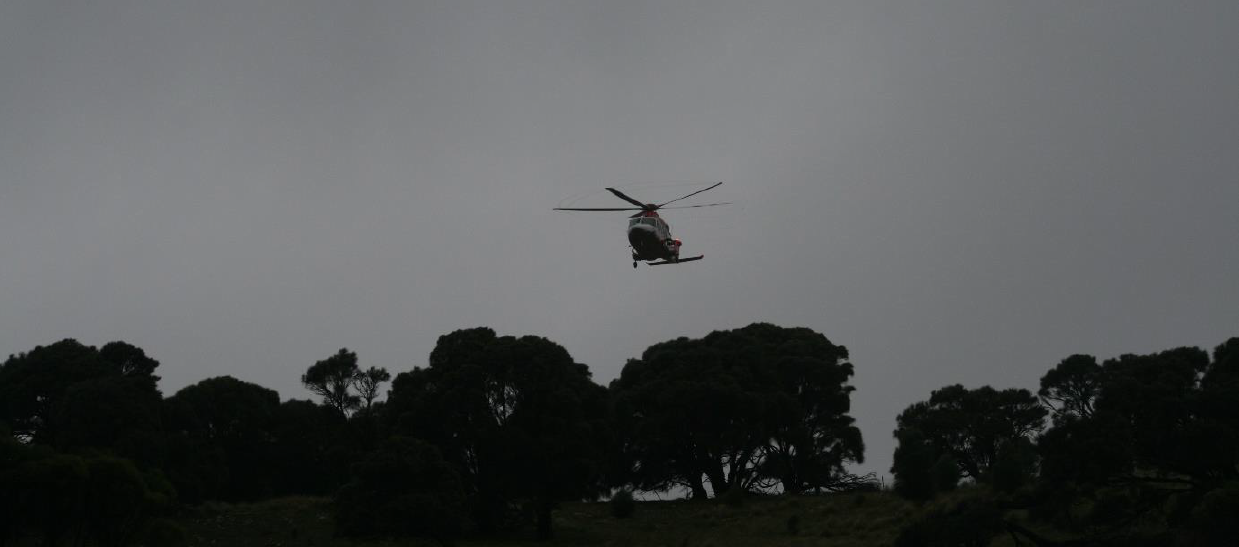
[[402, 489], [100, 500], [1113, 507], [622, 504], [970, 523], [163, 533], [1215, 516]]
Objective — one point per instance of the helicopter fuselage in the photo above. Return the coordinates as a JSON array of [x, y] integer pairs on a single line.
[[650, 237]]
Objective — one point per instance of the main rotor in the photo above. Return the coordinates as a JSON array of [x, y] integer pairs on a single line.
[[643, 208]]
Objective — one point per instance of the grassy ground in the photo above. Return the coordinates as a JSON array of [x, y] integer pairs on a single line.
[[836, 520], [844, 520]]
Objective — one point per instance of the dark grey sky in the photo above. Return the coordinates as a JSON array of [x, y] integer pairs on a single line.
[[956, 191]]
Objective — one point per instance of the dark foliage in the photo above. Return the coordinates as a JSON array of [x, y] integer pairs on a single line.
[[1214, 519], [913, 465], [1143, 449], [73, 396], [221, 440], [521, 421], [403, 489], [974, 425], [970, 523], [746, 408], [369, 382], [1160, 441], [333, 379], [945, 473], [312, 449], [1070, 389], [623, 505], [58, 497], [1015, 465]]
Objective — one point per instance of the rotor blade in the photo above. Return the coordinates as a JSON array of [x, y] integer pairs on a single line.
[[624, 197], [692, 194], [597, 209], [693, 206]]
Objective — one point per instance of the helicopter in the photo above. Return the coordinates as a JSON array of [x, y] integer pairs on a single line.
[[648, 234]]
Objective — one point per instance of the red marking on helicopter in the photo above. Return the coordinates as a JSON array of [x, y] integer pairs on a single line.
[[648, 234]]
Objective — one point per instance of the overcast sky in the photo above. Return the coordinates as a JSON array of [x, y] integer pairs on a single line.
[[956, 191]]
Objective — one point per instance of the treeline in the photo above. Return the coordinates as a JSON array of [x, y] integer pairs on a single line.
[[1136, 450], [486, 438], [496, 430]]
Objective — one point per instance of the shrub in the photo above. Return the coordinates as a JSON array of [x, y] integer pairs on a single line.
[[402, 489], [622, 504], [970, 523], [1215, 516], [164, 533]]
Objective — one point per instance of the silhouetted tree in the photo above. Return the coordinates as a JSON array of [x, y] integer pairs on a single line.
[[1223, 372], [912, 465], [311, 447], [973, 425], [688, 417], [368, 383], [332, 379], [1156, 399], [115, 413], [72, 396], [32, 384], [1163, 435], [517, 417], [1070, 389], [806, 400], [221, 439], [736, 408], [403, 489], [130, 361]]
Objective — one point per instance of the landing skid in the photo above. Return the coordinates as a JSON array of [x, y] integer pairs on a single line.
[[689, 259]]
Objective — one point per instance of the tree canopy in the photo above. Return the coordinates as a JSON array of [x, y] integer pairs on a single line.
[[517, 417], [332, 379], [744, 408], [974, 426]]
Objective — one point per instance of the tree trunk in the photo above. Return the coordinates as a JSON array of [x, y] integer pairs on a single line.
[[717, 481], [699, 489], [790, 484]]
